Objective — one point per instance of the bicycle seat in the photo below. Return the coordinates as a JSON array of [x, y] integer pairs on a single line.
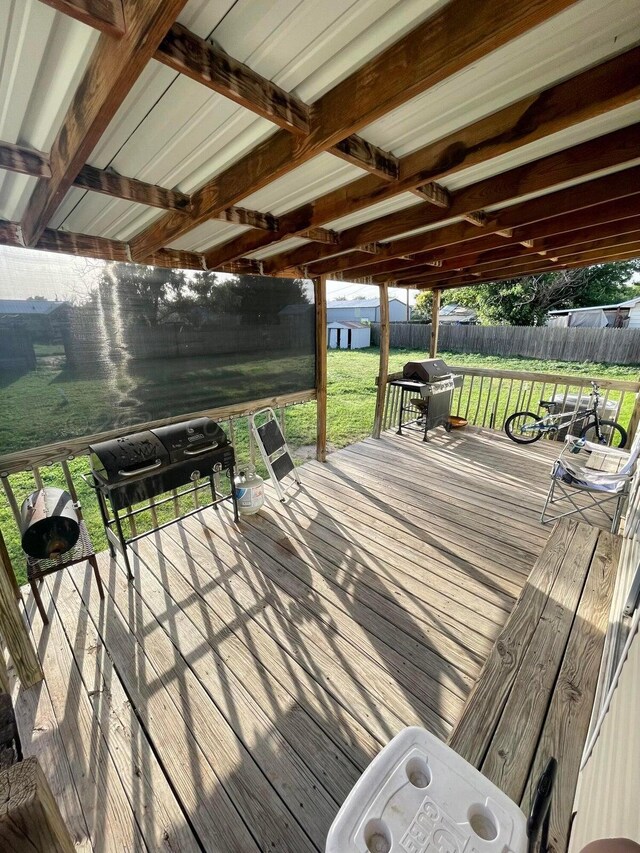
[[547, 404]]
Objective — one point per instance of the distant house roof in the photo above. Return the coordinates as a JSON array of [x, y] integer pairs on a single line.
[[298, 308], [359, 303], [454, 313], [347, 324], [29, 306], [629, 303]]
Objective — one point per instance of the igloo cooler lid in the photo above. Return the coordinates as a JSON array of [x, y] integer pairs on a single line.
[[419, 795]]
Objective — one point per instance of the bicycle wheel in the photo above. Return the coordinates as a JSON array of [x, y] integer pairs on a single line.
[[515, 424], [613, 435]]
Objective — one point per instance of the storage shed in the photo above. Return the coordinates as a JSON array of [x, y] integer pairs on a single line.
[[348, 335], [344, 310]]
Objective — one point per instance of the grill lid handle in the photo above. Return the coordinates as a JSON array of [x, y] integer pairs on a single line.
[[135, 473], [197, 450]]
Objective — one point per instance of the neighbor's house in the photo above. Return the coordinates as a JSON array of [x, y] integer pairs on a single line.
[[623, 315], [457, 315], [343, 310], [42, 318], [348, 334]]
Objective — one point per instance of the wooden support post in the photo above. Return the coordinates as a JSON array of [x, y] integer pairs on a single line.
[[435, 319], [634, 421], [383, 370], [5, 565], [320, 286], [30, 820], [14, 631]]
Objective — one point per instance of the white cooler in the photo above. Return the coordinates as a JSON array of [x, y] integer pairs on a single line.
[[419, 795]]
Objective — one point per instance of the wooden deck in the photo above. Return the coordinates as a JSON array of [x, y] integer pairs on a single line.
[[230, 697]]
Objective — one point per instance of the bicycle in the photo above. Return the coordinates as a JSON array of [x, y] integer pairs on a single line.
[[527, 427]]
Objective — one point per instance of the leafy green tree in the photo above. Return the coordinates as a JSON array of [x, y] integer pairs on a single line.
[[525, 301]]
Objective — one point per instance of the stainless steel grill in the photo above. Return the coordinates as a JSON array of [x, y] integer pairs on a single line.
[[433, 384]]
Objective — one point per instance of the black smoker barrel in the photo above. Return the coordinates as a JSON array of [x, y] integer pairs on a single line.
[[49, 523]]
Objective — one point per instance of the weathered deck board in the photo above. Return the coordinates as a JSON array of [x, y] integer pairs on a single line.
[[255, 671]]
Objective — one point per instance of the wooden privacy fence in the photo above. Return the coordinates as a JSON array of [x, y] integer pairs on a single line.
[[613, 346], [487, 397]]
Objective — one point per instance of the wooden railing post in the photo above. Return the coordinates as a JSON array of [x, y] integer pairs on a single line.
[[634, 420], [435, 319], [14, 631], [320, 286], [383, 370], [30, 820]]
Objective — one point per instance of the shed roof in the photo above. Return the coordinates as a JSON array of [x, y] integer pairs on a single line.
[[346, 324], [218, 179], [359, 303], [628, 303], [29, 306]]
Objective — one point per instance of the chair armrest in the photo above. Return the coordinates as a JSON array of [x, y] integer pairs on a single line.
[[591, 446]]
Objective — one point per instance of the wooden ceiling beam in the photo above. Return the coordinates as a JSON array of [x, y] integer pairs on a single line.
[[462, 254], [252, 218], [435, 194], [206, 63], [612, 234], [357, 151], [25, 161], [28, 161], [111, 72], [586, 95], [321, 235], [585, 219], [604, 152], [104, 15], [89, 246], [587, 195], [465, 279], [613, 250], [111, 183], [458, 34]]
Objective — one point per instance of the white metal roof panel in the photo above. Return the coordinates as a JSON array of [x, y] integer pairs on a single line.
[[177, 133], [43, 55], [208, 234], [578, 38]]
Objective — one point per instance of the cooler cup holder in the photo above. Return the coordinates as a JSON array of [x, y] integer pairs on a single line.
[[483, 822], [418, 772], [377, 836]]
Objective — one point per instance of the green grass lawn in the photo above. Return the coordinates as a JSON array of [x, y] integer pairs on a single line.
[[351, 401]]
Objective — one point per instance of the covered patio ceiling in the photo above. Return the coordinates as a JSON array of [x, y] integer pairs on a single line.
[[431, 143]]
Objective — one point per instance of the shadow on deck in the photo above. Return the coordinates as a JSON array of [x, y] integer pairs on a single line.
[[229, 698]]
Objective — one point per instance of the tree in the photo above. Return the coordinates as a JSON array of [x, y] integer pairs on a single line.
[[526, 301]]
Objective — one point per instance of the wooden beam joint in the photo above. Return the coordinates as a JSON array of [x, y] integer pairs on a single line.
[[435, 194]]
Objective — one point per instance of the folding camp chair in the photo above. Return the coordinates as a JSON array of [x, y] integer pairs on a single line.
[[574, 472]]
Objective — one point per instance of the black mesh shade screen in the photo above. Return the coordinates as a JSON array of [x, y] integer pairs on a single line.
[[87, 346]]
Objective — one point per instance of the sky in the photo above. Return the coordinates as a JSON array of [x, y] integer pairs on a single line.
[[25, 272]]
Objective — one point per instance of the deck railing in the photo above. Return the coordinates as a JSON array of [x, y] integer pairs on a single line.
[[487, 397], [64, 464]]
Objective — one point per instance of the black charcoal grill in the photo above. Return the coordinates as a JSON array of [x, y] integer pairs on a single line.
[[137, 468], [430, 384]]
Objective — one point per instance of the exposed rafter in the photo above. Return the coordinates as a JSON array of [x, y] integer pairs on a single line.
[[434, 194], [321, 235], [455, 36], [590, 216], [89, 246], [206, 63], [26, 161], [571, 262], [356, 150], [112, 70], [111, 183], [104, 15], [586, 95]]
